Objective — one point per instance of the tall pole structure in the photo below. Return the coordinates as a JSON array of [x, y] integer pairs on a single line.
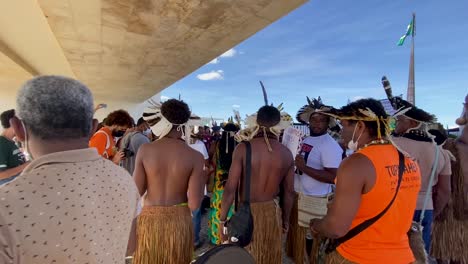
[[411, 95]]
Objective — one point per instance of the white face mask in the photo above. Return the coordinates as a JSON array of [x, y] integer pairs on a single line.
[[147, 132], [353, 145]]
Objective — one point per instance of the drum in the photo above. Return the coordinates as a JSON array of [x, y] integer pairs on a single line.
[[225, 254]]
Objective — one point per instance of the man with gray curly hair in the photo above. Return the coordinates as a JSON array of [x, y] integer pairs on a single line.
[[52, 212]]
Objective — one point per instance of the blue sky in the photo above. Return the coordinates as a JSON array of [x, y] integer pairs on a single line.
[[339, 50]]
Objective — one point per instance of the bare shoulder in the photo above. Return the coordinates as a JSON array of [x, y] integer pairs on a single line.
[[144, 147], [285, 152], [240, 149], [356, 165], [240, 146], [197, 156]]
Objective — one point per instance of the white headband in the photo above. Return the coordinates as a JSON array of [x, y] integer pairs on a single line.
[[164, 126], [253, 128]]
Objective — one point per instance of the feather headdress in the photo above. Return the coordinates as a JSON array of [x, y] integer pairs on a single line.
[[408, 110], [160, 126], [230, 126], [314, 106], [366, 114], [405, 108], [237, 117], [214, 125], [252, 126]]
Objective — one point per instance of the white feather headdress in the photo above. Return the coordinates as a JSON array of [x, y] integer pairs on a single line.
[[252, 127], [160, 126]]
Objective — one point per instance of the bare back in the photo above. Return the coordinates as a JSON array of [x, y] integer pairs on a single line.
[[269, 169], [167, 170]]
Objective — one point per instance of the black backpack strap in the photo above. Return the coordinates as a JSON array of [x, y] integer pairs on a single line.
[[236, 203], [248, 171], [364, 225]]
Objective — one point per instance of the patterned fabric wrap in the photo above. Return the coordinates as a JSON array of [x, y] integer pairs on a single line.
[[215, 206]]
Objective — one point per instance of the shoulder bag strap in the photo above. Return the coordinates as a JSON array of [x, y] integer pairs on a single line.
[[429, 186], [248, 171], [364, 225]]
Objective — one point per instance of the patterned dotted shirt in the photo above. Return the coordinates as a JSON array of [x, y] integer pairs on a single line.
[[67, 207]]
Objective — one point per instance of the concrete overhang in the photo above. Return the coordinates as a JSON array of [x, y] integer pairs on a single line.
[[124, 50]]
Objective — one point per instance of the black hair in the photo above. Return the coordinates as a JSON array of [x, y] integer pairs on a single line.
[[140, 121], [175, 111], [230, 127], [335, 129], [375, 106], [225, 159], [318, 113], [414, 112], [120, 118], [6, 116], [268, 116], [440, 136]]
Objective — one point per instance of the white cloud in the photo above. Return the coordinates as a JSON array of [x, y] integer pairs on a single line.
[[165, 98], [212, 75], [215, 61], [228, 54], [235, 106]]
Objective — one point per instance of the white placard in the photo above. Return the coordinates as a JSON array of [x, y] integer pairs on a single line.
[[292, 138]]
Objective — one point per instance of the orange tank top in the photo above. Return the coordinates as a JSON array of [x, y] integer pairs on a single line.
[[104, 143], [386, 240]]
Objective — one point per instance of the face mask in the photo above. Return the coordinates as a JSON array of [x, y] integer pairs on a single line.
[[118, 133], [147, 132], [353, 145], [349, 152]]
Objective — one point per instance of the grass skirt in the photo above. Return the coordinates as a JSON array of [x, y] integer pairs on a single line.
[[296, 240], [449, 237], [336, 258], [266, 245], [450, 228], [164, 235]]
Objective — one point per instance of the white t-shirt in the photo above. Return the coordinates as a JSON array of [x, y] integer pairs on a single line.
[[319, 153], [200, 147]]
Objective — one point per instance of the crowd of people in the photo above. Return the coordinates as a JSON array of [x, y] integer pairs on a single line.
[[73, 190]]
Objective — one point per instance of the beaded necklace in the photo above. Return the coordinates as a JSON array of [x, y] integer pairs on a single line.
[[376, 142]]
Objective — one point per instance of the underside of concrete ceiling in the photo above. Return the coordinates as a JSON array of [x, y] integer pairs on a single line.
[[124, 50]]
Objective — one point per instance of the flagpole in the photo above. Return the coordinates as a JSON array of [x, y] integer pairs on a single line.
[[411, 96]]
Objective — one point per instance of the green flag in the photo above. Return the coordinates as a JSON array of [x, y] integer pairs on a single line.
[[409, 31]]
